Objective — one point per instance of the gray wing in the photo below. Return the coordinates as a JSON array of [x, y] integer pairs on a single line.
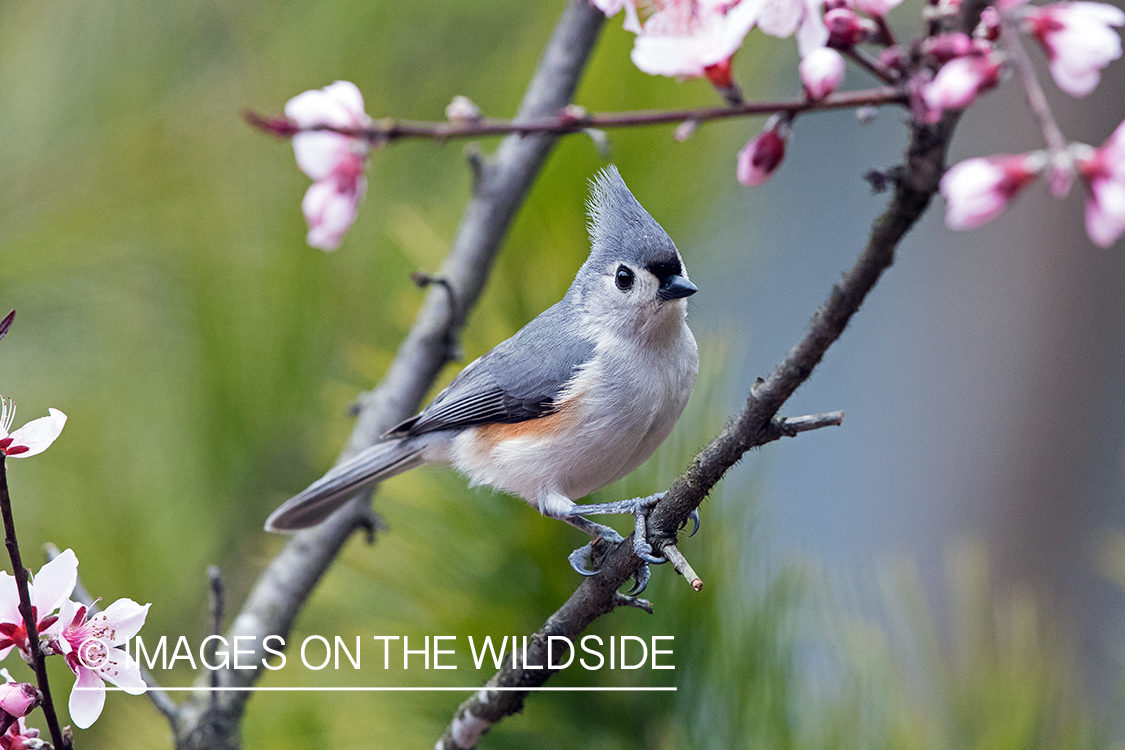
[[518, 380]]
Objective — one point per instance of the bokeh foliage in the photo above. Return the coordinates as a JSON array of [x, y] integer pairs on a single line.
[[153, 248]]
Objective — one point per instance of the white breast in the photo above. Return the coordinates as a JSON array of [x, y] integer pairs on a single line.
[[619, 409]]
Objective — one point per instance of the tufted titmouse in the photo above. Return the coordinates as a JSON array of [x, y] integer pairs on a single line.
[[577, 399]]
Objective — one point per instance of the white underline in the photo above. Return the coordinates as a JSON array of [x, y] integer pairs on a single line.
[[385, 689]]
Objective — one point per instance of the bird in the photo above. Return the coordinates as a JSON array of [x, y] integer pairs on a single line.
[[574, 401]]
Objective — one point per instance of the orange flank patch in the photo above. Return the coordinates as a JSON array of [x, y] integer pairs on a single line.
[[491, 435]]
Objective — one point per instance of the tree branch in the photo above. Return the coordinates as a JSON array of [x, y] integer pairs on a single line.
[[756, 425], [283, 587], [575, 119]]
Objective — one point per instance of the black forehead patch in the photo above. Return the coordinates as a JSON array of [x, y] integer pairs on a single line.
[[665, 269]]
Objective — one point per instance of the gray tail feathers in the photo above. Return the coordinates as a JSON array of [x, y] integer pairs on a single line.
[[380, 461]]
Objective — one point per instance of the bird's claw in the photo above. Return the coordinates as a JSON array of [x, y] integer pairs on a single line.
[[695, 518], [640, 581], [579, 557]]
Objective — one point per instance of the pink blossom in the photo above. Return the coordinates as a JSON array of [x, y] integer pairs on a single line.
[[876, 7], [822, 72], [846, 28], [686, 38], [1079, 41], [1104, 172], [948, 46], [759, 158], [20, 737], [786, 18], [611, 7], [47, 591], [959, 82], [335, 161], [331, 205], [90, 649], [17, 698], [978, 190], [31, 439], [989, 27]]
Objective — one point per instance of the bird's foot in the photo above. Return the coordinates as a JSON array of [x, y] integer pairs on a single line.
[[587, 555], [639, 508]]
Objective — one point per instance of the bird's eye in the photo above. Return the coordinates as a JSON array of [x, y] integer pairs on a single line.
[[624, 278]]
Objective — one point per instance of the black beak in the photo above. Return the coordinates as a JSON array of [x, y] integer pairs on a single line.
[[676, 287]]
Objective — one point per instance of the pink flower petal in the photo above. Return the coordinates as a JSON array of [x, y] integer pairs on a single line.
[[330, 211], [319, 152], [339, 103], [876, 7], [36, 436], [9, 600], [123, 619], [123, 671], [682, 40], [1105, 212], [611, 8], [87, 698], [54, 582]]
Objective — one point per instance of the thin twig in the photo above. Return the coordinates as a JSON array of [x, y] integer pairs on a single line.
[[390, 129], [791, 426], [1061, 161], [682, 566], [872, 66], [31, 628], [885, 31]]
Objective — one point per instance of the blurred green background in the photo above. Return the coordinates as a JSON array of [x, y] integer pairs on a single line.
[[152, 245]]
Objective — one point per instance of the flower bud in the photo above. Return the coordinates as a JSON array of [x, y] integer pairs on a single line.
[[978, 190], [759, 158], [958, 83], [945, 47], [822, 72], [846, 28], [1104, 172], [17, 698], [1079, 41]]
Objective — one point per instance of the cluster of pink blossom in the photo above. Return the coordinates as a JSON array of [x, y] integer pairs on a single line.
[[333, 160], [947, 71], [87, 641], [1080, 41], [698, 39]]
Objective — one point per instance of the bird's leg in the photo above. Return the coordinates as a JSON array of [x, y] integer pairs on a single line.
[[639, 508], [565, 509]]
